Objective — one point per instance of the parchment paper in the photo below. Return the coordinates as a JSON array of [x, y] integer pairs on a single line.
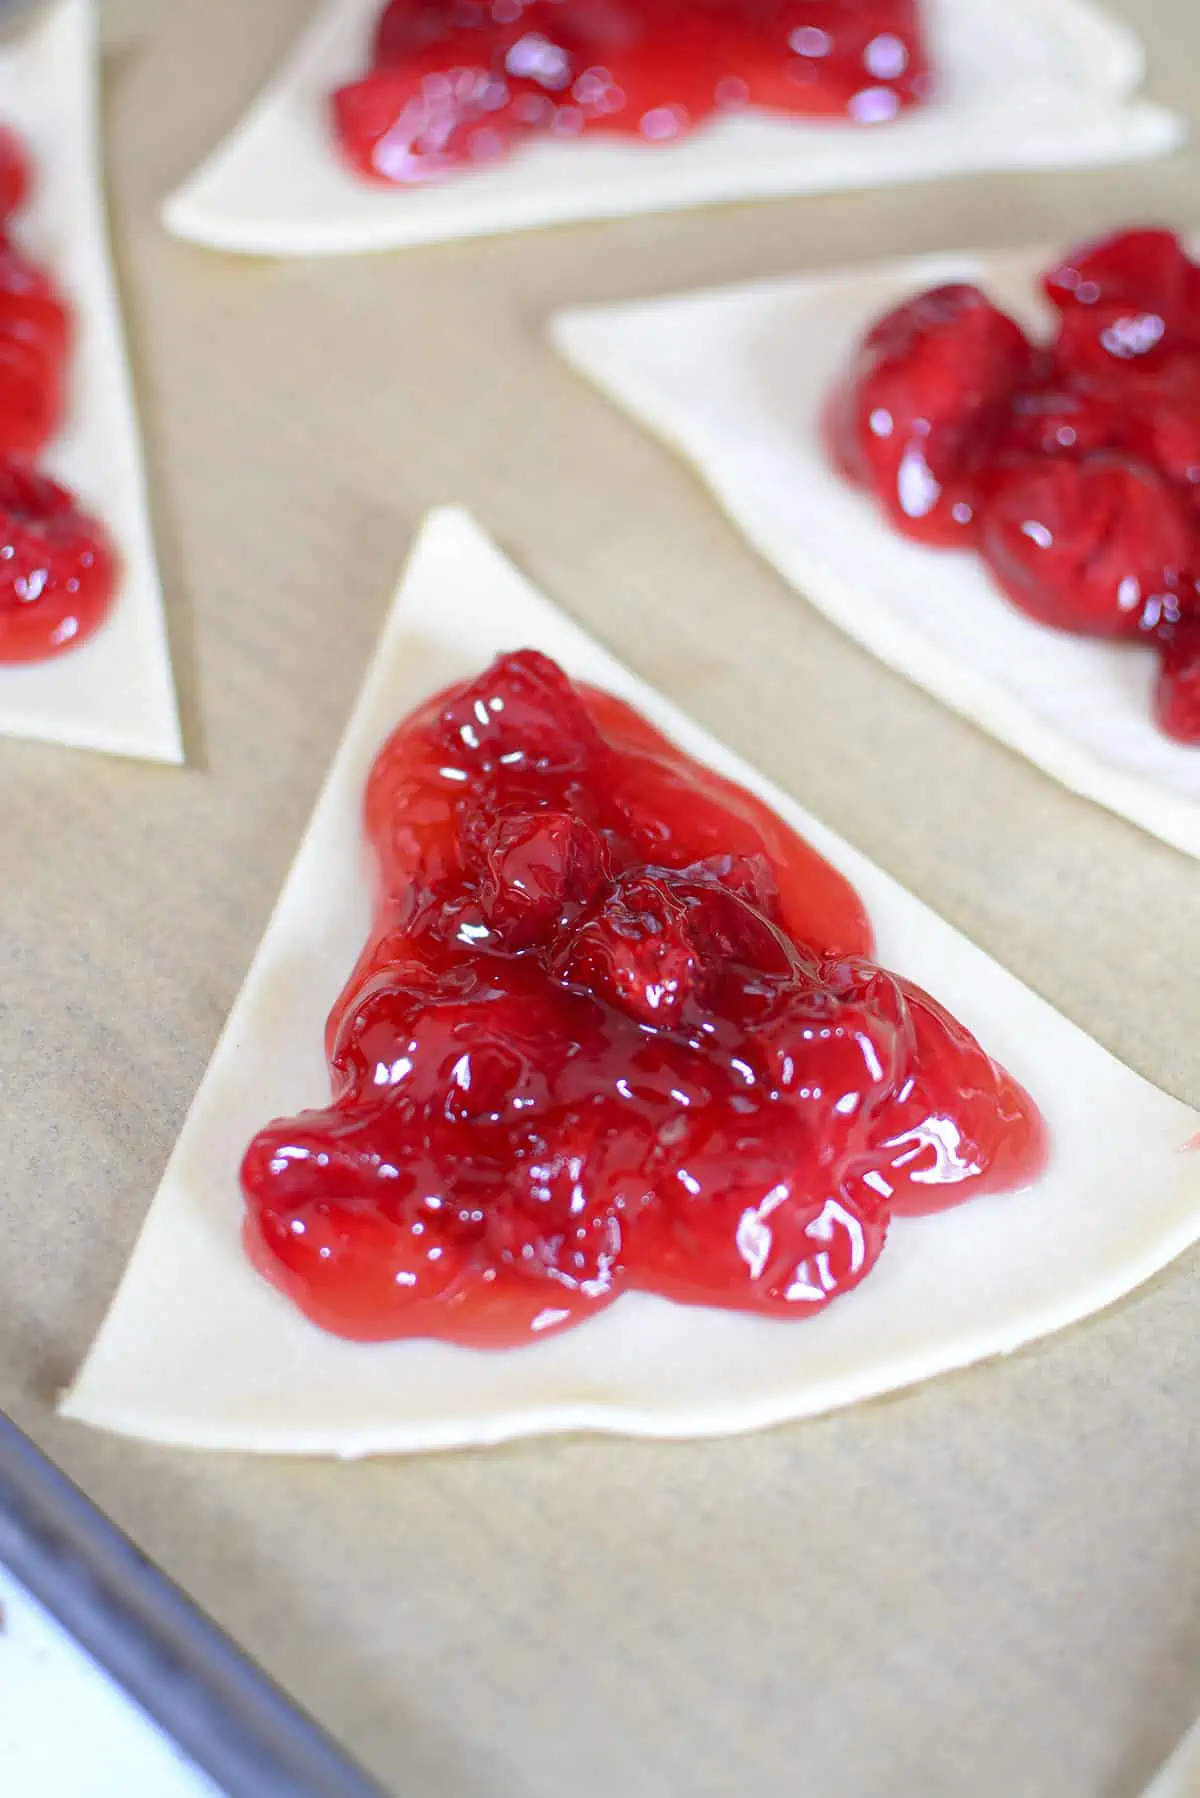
[[989, 1586]]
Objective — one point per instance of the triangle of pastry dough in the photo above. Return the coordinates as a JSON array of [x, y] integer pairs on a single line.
[[735, 380], [1025, 84], [116, 692], [198, 1350]]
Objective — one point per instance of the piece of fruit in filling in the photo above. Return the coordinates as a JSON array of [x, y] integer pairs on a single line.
[[865, 61], [408, 25], [1055, 416], [660, 74], [1095, 545], [1131, 300], [34, 343], [58, 568], [616, 1028], [16, 174], [915, 417], [1160, 411], [416, 120], [34, 323], [1177, 693]]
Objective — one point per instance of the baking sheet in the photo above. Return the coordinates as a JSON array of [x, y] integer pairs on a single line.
[[991, 1585]]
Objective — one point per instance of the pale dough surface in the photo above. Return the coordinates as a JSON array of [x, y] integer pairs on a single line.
[[199, 1351], [736, 380], [1026, 84], [116, 692]]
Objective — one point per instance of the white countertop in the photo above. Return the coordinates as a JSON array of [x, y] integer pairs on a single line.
[[1180, 1778], [66, 1731]]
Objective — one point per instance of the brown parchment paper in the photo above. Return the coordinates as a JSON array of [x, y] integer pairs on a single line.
[[988, 1586]]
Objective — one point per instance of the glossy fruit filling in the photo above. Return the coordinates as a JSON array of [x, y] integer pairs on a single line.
[[1072, 466], [460, 83], [57, 565], [57, 568], [616, 1028]]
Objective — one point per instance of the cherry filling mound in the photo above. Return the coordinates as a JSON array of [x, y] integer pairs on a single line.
[[616, 1027], [1072, 466], [57, 565], [456, 83]]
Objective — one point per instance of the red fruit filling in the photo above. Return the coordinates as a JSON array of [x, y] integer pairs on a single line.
[[456, 83], [16, 176], [1129, 299], [34, 344], [57, 565], [1177, 696], [923, 405], [1074, 466], [616, 1028], [1091, 546], [57, 568]]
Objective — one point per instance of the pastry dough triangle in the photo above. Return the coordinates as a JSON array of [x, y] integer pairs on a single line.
[[735, 379], [116, 692], [198, 1350], [1025, 84]]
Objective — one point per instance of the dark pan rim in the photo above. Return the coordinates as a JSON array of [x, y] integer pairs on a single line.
[[217, 1706]]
